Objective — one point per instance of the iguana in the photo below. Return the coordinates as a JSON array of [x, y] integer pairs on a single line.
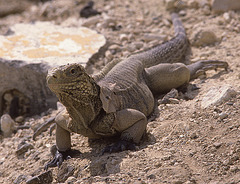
[[118, 100]]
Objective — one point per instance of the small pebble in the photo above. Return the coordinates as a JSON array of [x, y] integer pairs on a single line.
[[223, 115], [91, 21], [217, 144], [108, 55], [193, 135], [151, 176], [173, 101], [193, 4], [123, 37], [226, 16], [138, 45], [233, 168], [19, 119]]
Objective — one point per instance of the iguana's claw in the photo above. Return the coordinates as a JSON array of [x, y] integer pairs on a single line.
[[120, 146], [58, 159], [200, 67]]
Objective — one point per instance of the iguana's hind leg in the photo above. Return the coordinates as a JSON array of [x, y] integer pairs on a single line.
[[164, 77], [131, 124], [200, 67]]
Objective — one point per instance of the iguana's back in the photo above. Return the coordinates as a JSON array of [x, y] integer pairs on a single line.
[[127, 78]]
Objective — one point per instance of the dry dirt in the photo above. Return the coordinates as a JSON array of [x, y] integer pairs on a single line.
[[184, 144]]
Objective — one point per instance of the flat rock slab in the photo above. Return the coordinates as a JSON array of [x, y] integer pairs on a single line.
[[217, 95], [44, 42], [28, 51]]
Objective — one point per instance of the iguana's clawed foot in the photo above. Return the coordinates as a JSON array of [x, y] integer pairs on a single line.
[[60, 156], [200, 67], [120, 146]]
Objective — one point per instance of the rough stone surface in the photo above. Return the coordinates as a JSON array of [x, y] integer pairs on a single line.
[[217, 95], [7, 125], [13, 7], [44, 42], [225, 5], [23, 89], [65, 171], [45, 177], [23, 147]]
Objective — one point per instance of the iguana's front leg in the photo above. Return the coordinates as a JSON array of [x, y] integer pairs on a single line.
[[131, 124], [63, 140]]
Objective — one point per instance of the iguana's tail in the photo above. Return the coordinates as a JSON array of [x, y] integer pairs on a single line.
[[175, 50]]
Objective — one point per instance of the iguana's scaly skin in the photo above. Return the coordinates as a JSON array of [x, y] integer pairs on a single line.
[[118, 100]]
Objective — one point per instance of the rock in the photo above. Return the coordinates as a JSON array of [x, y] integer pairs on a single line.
[[151, 176], [227, 16], [178, 182], [64, 172], [203, 3], [194, 135], [131, 48], [170, 4], [19, 119], [13, 7], [108, 22], [170, 98], [217, 95], [45, 177], [28, 52], [174, 4], [153, 37], [193, 4], [115, 47], [182, 13], [233, 168], [27, 86], [23, 148], [206, 10], [166, 22], [138, 45], [173, 101], [7, 125], [55, 45], [108, 55], [123, 37], [20, 179], [203, 38], [223, 115], [91, 21], [217, 144], [225, 5], [112, 165], [71, 180]]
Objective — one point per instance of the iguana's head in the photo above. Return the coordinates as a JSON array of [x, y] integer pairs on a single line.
[[72, 82]]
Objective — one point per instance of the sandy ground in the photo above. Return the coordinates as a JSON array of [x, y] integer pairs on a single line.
[[184, 144]]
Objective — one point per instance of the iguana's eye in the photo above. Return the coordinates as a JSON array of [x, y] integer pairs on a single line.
[[73, 71]]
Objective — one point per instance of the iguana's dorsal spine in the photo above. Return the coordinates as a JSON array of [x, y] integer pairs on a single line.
[[97, 77]]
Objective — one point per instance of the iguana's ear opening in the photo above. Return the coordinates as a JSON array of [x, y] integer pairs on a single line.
[[108, 101]]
